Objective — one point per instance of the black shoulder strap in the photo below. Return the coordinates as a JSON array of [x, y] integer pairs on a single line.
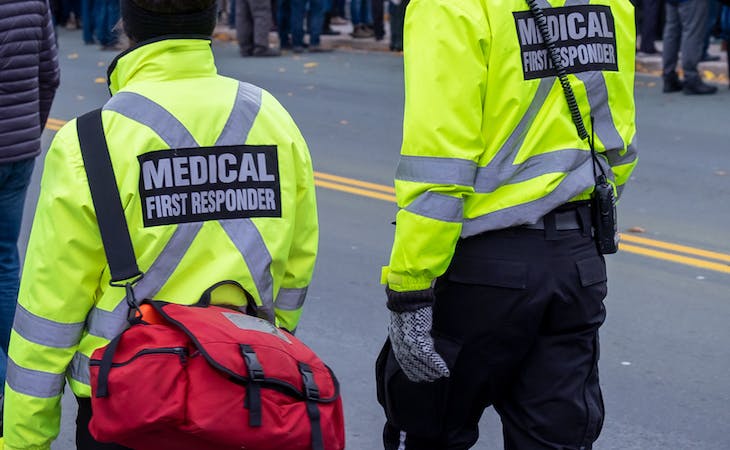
[[105, 195]]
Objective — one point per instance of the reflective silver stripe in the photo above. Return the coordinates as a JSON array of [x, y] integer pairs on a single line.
[[108, 324], [604, 126], [79, 368], [143, 110], [438, 206], [46, 332], [616, 159], [290, 299], [252, 247], [167, 261], [424, 169], [535, 166], [573, 184], [502, 166], [34, 382], [245, 110]]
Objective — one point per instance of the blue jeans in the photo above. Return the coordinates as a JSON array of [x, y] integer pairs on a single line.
[[106, 16], [14, 180], [87, 16], [314, 22], [361, 12], [283, 23]]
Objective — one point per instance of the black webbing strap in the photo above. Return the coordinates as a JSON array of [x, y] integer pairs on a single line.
[[253, 387], [311, 392], [102, 385], [105, 195]]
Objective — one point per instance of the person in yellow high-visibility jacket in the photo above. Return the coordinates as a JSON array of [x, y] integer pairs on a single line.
[[495, 284], [203, 213]]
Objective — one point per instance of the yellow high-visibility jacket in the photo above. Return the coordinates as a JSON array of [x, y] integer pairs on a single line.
[[488, 140], [166, 95]]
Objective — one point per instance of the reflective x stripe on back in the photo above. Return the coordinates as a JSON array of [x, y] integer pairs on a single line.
[[243, 233]]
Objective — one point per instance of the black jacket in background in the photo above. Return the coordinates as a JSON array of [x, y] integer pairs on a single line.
[[29, 76]]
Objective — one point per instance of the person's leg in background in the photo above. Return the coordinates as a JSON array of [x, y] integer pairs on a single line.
[[283, 24], [317, 9], [261, 20], [274, 15], [670, 51], [378, 18], [713, 10], [397, 18], [693, 15], [232, 13], [87, 21], [244, 27], [297, 24], [649, 25], [106, 16], [14, 180]]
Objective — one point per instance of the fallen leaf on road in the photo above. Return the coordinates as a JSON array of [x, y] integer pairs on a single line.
[[80, 97], [636, 230], [309, 65], [709, 75], [720, 173], [282, 69], [309, 88], [100, 64], [100, 80], [344, 122], [290, 94], [73, 56], [651, 84]]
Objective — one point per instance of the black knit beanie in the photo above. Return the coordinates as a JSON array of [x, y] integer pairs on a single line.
[[149, 19]]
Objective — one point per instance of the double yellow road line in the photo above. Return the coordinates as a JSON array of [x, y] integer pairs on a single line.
[[630, 243]]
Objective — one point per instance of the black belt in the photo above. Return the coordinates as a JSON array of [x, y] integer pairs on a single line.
[[563, 220]]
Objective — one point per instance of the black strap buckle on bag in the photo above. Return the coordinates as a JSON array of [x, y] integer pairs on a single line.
[[311, 393], [253, 387]]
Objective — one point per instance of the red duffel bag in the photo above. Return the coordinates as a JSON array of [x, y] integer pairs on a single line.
[[207, 377]]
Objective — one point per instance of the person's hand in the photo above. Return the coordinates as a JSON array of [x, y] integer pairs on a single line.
[[410, 335]]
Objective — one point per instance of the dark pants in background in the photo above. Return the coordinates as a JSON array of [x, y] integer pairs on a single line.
[[650, 15], [516, 318], [253, 23]]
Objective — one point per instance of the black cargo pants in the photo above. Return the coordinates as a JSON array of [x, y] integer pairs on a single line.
[[516, 318]]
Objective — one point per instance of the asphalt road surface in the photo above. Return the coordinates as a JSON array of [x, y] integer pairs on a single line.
[[665, 356]]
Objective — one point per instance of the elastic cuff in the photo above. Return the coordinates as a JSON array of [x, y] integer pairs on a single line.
[[409, 300]]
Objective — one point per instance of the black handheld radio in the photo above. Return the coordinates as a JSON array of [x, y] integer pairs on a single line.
[[603, 201]]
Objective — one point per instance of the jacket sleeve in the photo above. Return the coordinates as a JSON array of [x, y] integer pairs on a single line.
[[303, 251], [445, 81], [48, 71], [64, 262]]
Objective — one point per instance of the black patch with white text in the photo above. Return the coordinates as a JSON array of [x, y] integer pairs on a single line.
[[585, 37], [209, 183]]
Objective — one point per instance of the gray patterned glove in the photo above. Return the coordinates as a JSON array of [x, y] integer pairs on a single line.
[[410, 335]]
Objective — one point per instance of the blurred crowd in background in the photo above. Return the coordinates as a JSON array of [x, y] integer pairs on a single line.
[[685, 28], [298, 23]]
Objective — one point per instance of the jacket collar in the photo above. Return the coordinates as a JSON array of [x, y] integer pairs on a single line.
[[165, 58]]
